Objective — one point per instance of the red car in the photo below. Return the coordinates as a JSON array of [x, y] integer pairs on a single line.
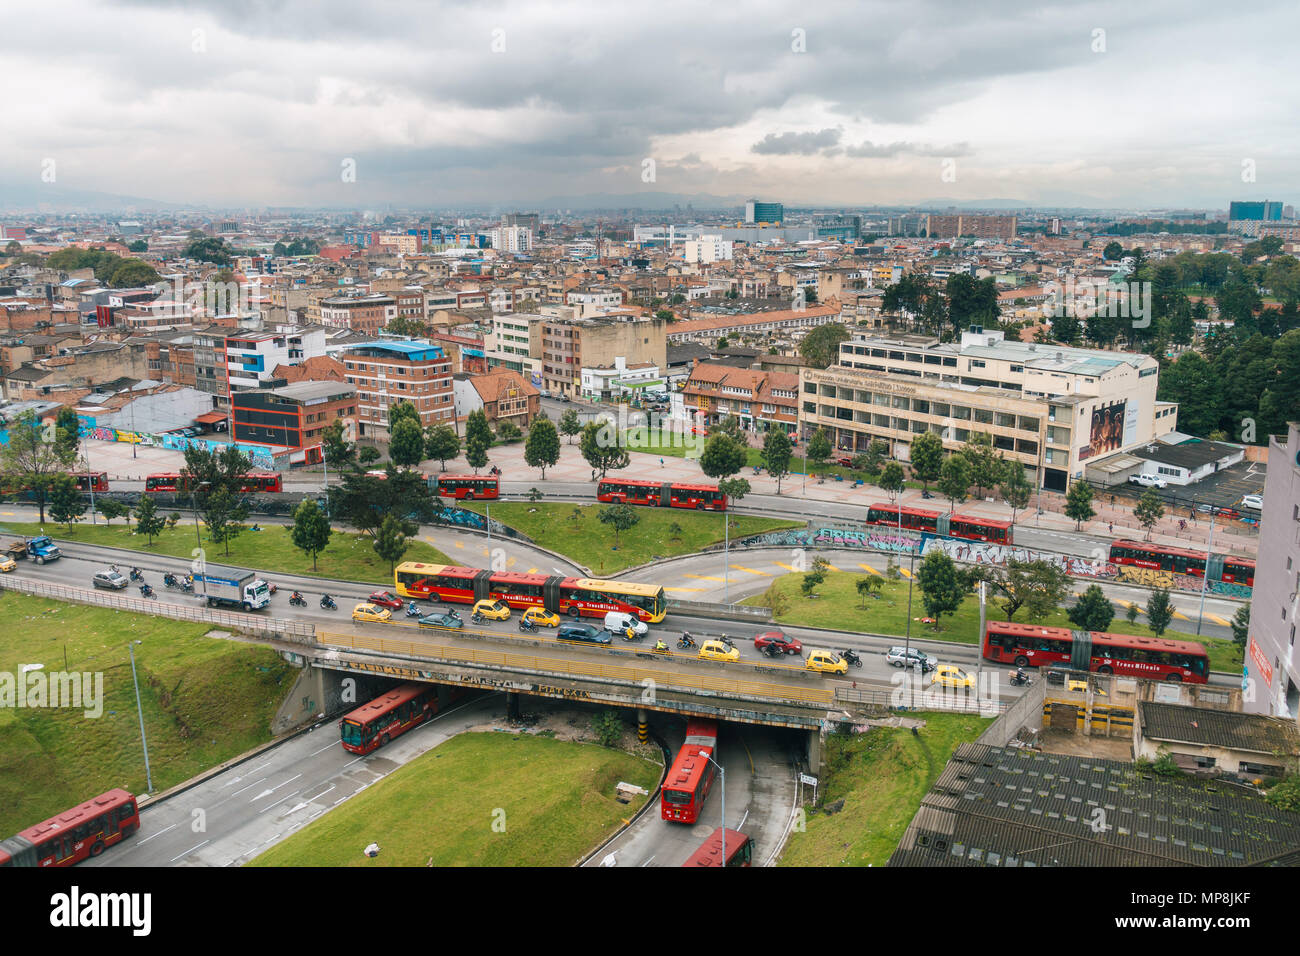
[[845, 461], [387, 599], [778, 639]]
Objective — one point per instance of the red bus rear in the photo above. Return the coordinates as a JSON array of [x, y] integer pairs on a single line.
[[75, 834], [691, 776], [1151, 658], [91, 480], [468, 487], [740, 850], [390, 715]]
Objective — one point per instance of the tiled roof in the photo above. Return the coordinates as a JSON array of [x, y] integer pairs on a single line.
[[1217, 728]]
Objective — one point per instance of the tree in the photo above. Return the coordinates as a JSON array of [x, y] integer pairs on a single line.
[[508, 432], [311, 529], [132, 273], [67, 431], [535, 494], [34, 456], [723, 456], [728, 426], [776, 454], [1149, 510], [148, 521], [1241, 624], [66, 505], [820, 348], [734, 488], [819, 447], [1160, 611], [599, 446], [867, 586], [441, 442], [339, 452], [569, 424], [477, 429], [943, 585], [926, 455], [1078, 503], [223, 514], [1015, 488], [110, 508], [367, 455], [543, 445], [811, 581], [891, 479], [1037, 586], [208, 249], [363, 500], [1093, 611], [391, 541], [620, 517], [1112, 251], [476, 453], [954, 479], [985, 466], [406, 445], [402, 411]]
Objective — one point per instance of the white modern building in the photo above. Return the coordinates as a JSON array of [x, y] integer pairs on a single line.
[[610, 383], [707, 249], [511, 239], [251, 357]]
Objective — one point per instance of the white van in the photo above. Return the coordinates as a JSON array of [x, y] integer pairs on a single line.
[[617, 622]]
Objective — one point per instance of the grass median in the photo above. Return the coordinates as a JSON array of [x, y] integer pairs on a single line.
[[205, 700], [839, 606], [348, 556], [880, 776], [576, 531], [479, 799]]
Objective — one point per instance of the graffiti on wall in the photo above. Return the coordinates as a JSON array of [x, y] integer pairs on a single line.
[[998, 555], [259, 456], [868, 539]]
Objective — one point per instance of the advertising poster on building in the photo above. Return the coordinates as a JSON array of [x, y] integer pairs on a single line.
[[1107, 431], [1131, 424]]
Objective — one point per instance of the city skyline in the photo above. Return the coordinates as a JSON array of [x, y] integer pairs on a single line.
[[300, 105]]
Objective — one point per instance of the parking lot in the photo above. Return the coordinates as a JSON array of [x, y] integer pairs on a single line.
[[1223, 489]]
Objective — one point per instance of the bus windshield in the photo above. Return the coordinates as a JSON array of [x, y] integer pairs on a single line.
[[677, 796], [352, 733]]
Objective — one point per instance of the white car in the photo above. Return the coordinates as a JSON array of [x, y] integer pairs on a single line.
[[1147, 481], [1253, 502]]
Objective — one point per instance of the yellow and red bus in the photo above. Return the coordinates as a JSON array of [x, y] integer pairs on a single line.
[[75, 834], [740, 850], [591, 597]]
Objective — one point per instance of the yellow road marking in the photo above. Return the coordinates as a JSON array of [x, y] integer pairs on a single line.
[[904, 572], [870, 570], [702, 577], [459, 544], [831, 566], [781, 564], [1218, 620], [738, 567], [532, 570], [684, 590], [1179, 615]]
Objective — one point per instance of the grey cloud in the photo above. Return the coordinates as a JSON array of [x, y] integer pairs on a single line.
[[801, 144], [869, 150]]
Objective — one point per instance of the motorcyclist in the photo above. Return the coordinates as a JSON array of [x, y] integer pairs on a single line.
[[687, 640], [660, 646], [1021, 677]]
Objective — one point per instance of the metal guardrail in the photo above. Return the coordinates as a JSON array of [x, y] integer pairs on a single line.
[[572, 668], [887, 700], [300, 631]]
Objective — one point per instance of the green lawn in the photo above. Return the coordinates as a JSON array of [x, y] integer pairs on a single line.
[[881, 776], [838, 605], [205, 700], [479, 799], [588, 542], [348, 556]]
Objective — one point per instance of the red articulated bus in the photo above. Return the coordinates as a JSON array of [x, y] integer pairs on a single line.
[[740, 850], [254, 481], [90, 480], [691, 776], [661, 494], [469, 487], [389, 715], [1152, 658], [1217, 567], [560, 595], [75, 834], [941, 522]]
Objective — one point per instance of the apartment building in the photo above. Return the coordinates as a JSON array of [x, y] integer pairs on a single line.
[[981, 227], [363, 312], [707, 249], [754, 323], [515, 342], [511, 239], [292, 417], [210, 363], [251, 357], [1052, 408], [761, 400], [569, 345], [1272, 665], [386, 373]]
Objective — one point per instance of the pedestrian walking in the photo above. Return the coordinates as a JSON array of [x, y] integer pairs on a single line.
[[1112, 527], [661, 462]]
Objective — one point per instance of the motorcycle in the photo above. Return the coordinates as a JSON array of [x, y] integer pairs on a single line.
[[685, 641], [188, 584], [476, 618], [327, 603], [271, 587], [136, 575], [526, 625], [851, 658], [169, 579], [631, 635], [414, 610], [926, 494], [297, 600], [1020, 679], [147, 591], [661, 648]]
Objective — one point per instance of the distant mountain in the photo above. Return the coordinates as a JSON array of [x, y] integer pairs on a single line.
[[53, 197], [645, 200]]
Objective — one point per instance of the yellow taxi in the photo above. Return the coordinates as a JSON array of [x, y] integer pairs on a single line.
[[541, 617], [7, 563], [718, 651], [490, 610], [950, 675], [372, 612], [827, 662]]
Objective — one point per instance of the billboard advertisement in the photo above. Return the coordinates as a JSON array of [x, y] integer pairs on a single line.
[[1107, 432]]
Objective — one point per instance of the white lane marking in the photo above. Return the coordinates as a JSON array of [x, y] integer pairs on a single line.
[[189, 851], [323, 749], [267, 793], [249, 787], [287, 796], [158, 834], [647, 862]]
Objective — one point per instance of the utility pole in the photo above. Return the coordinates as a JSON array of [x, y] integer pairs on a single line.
[[1209, 552]]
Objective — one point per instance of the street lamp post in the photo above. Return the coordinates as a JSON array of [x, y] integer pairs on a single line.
[[723, 781], [90, 480], [1209, 550], [140, 710], [907, 650]]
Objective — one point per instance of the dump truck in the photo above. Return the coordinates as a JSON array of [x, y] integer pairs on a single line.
[[231, 587], [39, 549]]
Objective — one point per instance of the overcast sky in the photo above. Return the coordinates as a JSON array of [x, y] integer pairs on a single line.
[[1141, 103]]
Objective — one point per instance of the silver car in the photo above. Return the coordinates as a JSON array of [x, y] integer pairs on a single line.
[[910, 657], [109, 579]]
